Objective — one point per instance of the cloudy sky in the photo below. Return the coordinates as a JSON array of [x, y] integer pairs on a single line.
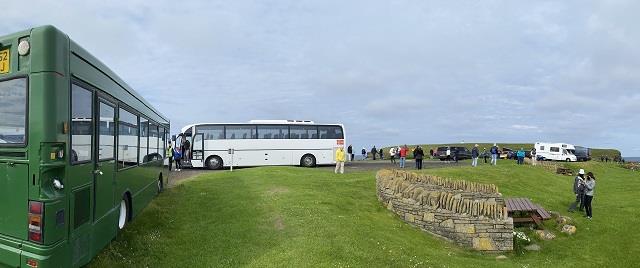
[[392, 71]]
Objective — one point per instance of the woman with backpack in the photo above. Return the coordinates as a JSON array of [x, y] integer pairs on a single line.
[[590, 185]]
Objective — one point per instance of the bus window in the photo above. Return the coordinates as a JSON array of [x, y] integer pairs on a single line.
[[13, 111], [304, 132], [211, 132], [330, 132], [81, 124], [106, 140], [240, 132], [273, 132], [127, 139]]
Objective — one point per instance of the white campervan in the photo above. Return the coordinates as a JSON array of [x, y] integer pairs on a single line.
[[555, 151]]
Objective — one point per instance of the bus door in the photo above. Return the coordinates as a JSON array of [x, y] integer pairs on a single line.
[[103, 189], [80, 175], [198, 148]]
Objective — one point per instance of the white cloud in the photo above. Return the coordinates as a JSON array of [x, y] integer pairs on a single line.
[[523, 127]]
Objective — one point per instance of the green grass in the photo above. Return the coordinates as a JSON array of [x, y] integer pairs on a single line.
[[296, 217]]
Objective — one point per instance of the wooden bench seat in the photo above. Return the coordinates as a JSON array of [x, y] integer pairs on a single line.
[[526, 211]]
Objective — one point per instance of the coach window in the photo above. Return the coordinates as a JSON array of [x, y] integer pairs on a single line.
[[330, 132], [153, 139], [127, 139], [81, 124], [238, 132], [273, 132], [144, 140], [555, 149], [211, 132], [304, 132]]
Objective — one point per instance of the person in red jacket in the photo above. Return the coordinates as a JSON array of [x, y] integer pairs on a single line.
[[403, 155]]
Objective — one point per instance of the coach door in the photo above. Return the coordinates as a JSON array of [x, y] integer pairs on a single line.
[[198, 148]]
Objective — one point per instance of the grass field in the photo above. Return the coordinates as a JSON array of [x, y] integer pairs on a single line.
[[296, 217]]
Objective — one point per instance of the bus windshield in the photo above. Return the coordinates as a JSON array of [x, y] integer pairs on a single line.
[[13, 111]]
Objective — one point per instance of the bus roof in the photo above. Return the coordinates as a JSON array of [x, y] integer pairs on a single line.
[[263, 122]]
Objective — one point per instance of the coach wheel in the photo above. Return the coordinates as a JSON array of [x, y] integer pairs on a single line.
[[214, 162], [568, 160], [308, 161], [124, 207]]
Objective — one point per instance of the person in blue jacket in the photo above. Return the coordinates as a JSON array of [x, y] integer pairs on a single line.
[[494, 154], [520, 154]]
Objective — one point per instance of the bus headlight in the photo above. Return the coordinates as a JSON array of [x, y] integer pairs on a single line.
[[23, 47]]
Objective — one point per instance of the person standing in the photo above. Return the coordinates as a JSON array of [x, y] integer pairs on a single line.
[[484, 154], [177, 157], [340, 158], [392, 155], [431, 155], [474, 156], [350, 152], [381, 154], [520, 154], [589, 186], [418, 155], [578, 190], [403, 155], [374, 152], [534, 157], [186, 147], [455, 155], [494, 154], [169, 155], [364, 153]]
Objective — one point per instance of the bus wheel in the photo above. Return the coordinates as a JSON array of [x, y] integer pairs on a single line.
[[308, 161], [124, 207], [214, 162]]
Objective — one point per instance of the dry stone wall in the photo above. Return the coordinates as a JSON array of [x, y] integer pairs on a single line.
[[470, 214]]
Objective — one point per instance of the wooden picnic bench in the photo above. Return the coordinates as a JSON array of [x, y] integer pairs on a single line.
[[526, 211]]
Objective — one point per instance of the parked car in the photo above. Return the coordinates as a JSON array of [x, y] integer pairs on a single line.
[[445, 153], [505, 153], [582, 153]]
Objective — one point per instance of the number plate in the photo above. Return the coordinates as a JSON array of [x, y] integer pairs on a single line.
[[4, 61]]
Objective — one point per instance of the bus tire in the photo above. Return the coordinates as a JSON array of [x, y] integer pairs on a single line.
[[308, 160], [123, 217], [214, 162]]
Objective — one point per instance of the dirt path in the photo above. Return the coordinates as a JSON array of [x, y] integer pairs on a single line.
[[368, 165]]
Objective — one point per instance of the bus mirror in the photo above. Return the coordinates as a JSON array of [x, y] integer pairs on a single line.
[[173, 137]]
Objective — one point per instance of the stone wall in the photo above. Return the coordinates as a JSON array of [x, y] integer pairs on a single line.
[[470, 214]]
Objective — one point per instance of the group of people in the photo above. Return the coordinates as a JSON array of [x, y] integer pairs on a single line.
[[583, 188], [178, 154]]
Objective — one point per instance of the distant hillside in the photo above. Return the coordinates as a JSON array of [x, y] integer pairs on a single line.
[[595, 152]]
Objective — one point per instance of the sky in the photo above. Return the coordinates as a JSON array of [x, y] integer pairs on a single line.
[[393, 72]]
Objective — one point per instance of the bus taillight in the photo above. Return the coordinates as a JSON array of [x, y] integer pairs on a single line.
[[32, 263], [36, 210]]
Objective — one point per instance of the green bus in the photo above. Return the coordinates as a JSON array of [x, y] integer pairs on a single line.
[[81, 153]]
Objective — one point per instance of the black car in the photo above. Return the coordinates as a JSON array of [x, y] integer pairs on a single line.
[[446, 153], [582, 153]]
